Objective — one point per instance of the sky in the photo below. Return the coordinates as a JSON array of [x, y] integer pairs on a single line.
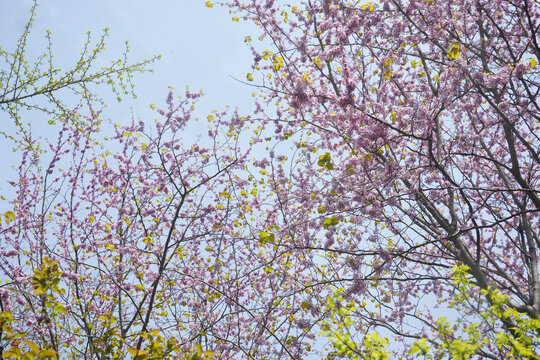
[[200, 47]]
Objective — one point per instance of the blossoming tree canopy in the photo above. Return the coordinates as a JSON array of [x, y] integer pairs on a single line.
[[109, 249], [415, 130], [391, 171]]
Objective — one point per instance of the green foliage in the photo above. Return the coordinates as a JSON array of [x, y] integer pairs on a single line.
[[8, 217], [23, 349], [23, 81], [46, 278], [453, 52], [325, 161], [265, 238], [331, 221], [159, 349], [338, 328], [374, 347], [455, 347], [520, 342], [420, 348], [525, 337], [200, 354], [45, 283]]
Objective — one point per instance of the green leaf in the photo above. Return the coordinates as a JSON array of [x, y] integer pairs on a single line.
[[32, 345], [453, 53], [265, 237], [12, 352], [199, 349], [419, 346], [29, 356], [325, 161], [47, 354], [137, 354], [8, 216], [332, 221], [59, 308], [208, 354], [306, 305]]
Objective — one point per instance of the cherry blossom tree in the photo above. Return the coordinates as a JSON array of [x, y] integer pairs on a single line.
[[127, 250], [388, 176], [406, 143]]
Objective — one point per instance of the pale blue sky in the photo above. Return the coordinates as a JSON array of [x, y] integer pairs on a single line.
[[200, 47]]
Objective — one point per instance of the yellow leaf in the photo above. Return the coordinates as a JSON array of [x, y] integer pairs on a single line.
[[47, 354], [139, 354], [12, 352], [30, 355], [209, 4], [266, 54], [277, 63], [453, 53], [9, 215], [32, 345], [59, 308], [368, 6], [199, 349]]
